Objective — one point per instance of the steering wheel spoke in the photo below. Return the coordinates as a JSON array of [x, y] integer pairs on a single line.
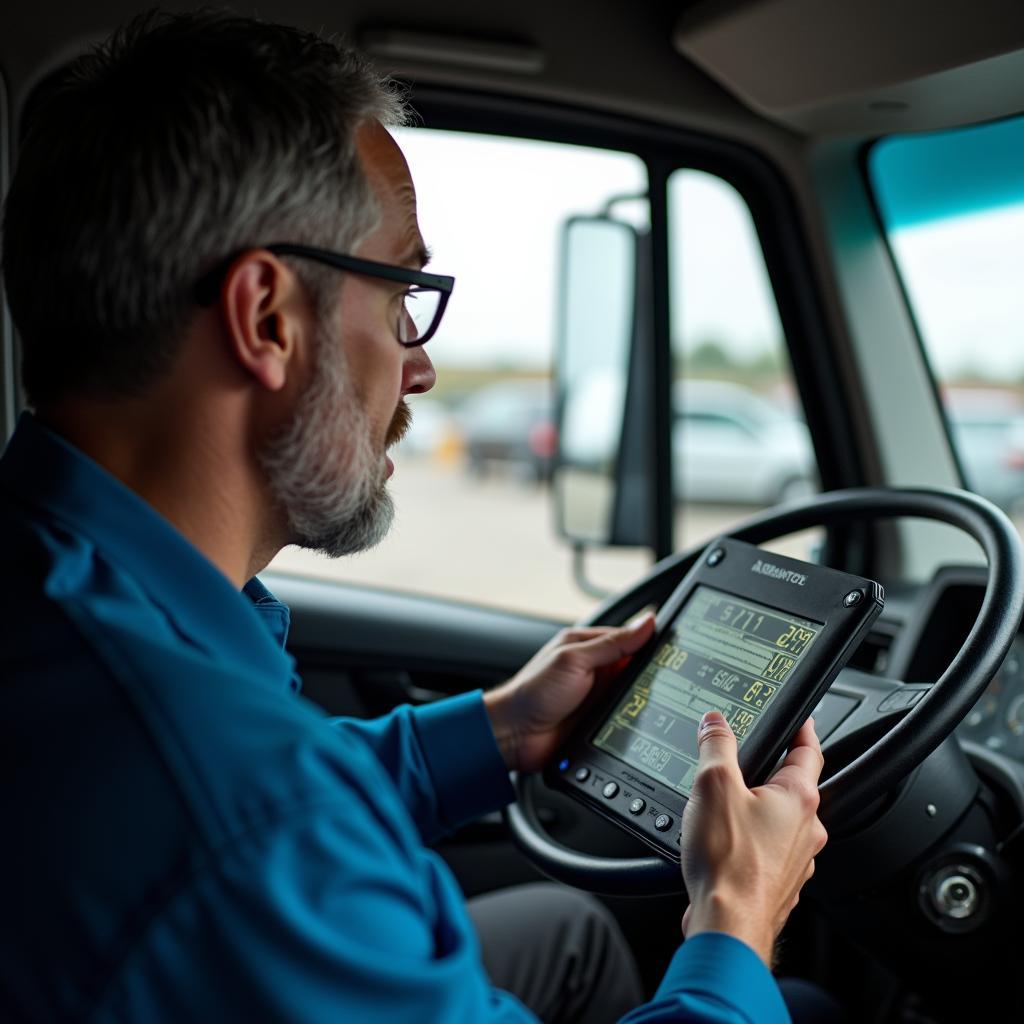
[[857, 711]]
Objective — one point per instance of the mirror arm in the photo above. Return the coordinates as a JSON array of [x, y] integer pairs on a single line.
[[579, 573]]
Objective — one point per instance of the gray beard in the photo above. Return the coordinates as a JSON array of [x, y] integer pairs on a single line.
[[322, 469]]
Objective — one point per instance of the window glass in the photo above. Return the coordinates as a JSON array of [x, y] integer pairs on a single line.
[[739, 438], [957, 239], [474, 518]]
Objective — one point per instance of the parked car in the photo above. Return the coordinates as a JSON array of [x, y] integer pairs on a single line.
[[729, 444], [510, 424], [732, 445], [987, 427]]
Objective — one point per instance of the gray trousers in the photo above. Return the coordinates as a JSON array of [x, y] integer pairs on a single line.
[[558, 951], [561, 953]]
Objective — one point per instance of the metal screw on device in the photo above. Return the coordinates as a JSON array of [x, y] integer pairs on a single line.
[[853, 598], [715, 557]]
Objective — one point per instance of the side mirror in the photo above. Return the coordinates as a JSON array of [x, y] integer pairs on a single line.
[[602, 476]]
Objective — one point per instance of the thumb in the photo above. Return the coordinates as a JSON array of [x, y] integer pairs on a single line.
[[716, 742]]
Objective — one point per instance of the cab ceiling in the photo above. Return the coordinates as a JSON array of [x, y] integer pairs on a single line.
[[764, 71], [602, 54], [825, 68]]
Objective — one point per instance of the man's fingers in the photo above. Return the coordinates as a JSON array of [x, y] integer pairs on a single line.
[[807, 761], [576, 635], [806, 737], [804, 762], [613, 644]]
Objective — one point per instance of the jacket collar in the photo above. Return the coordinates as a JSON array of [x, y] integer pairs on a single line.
[[42, 470]]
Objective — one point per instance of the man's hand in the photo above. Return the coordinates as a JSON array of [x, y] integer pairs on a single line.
[[746, 853], [530, 714]]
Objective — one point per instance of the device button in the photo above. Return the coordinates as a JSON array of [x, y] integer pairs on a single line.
[[638, 806], [611, 789], [662, 822], [582, 774]]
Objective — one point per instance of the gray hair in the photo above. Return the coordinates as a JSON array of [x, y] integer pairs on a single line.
[[181, 141]]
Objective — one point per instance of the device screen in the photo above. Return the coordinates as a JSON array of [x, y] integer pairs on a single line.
[[721, 653]]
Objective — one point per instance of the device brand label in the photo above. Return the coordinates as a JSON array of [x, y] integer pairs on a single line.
[[637, 781], [778, 573]]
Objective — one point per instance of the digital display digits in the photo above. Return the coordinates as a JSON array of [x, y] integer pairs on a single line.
[[722, 653]]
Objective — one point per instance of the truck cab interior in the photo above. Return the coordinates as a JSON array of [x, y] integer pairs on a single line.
[[715, 260]]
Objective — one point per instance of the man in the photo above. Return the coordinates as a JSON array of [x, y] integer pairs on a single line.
[[212, 255]]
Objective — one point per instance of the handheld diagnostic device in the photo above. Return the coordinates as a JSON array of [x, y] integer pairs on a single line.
[[757, 636]]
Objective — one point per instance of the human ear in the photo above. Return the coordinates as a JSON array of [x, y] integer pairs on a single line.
[[261, 304]]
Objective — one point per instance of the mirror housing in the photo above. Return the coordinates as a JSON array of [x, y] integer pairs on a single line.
[[603, 480]]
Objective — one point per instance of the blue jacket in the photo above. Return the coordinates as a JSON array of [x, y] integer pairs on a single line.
[[189, 839]]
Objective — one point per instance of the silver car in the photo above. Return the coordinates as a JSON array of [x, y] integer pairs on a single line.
[[732, 445]]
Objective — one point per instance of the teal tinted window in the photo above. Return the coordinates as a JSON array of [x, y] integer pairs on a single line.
[[925, 178], [953, 208]]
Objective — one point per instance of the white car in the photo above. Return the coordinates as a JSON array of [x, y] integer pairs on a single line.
[[729, 444], [732, 445]]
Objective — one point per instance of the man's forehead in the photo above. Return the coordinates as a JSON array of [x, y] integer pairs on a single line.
[[388, 173], [380, 153]]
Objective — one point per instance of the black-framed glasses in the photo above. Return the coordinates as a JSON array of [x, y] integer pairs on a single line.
[[423, 303]]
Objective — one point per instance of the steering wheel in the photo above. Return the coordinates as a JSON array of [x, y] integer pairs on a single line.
[[904, 723]]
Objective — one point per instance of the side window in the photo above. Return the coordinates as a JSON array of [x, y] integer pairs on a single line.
[[474, 519], [739, 441]]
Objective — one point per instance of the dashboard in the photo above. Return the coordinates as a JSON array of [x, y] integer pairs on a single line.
[[997, 721], [935, 627]]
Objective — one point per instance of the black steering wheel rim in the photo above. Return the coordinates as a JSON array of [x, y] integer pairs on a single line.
[[891, 758]]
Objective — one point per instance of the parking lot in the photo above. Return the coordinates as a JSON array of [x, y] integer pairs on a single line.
[[448, 525]]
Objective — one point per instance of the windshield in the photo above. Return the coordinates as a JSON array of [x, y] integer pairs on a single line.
[[952, 204]]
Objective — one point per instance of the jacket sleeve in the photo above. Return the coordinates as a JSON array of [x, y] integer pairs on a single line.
[[714, 979], [339, 915], [336, 915], [442, 758]]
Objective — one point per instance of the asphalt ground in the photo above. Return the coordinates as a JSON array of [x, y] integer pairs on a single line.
[[492, 541]]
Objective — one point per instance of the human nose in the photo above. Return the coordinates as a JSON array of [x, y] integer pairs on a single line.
[[418, 372]]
